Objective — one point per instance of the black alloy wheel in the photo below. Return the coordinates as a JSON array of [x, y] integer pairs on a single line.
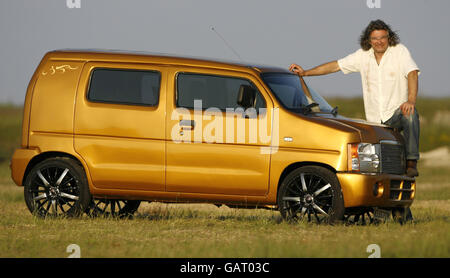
[[313, 194], [57, 187], [113, 207]]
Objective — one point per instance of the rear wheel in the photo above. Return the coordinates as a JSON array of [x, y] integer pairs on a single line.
[[113, 207], [312, 194], [57, 187]]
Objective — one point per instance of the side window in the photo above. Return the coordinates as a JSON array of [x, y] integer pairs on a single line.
[[136, 87], [215, 91]]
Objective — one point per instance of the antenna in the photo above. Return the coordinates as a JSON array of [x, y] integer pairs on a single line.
[[234, 51]]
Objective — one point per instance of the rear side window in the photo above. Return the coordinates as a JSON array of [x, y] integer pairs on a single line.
[[136, 87], [214, 91]]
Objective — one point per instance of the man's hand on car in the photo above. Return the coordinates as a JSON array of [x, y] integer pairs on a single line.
[[297, 69]]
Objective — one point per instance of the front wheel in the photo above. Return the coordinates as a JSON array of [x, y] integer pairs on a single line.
[[312, 193]]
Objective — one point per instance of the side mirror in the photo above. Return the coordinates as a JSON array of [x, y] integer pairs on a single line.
[[246, 96]]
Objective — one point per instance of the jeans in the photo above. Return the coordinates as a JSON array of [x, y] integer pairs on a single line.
[[410, 129]]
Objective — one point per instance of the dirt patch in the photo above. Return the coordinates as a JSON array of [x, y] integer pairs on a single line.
[[439, 157], [442, 117], [432, 204]]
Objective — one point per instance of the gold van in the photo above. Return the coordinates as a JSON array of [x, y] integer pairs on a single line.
[[104, 130]]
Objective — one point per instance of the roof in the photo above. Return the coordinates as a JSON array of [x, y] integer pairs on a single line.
[[142, 56]]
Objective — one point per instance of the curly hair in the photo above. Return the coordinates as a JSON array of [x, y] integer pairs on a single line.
[[378, 24]]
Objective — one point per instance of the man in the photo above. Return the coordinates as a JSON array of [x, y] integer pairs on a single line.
[[389, 80]]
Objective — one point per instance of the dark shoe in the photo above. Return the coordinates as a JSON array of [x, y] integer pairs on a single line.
[[402, 215], [411, 168], [409, 216]]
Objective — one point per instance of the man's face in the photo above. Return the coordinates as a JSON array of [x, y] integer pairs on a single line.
[[379, 40]]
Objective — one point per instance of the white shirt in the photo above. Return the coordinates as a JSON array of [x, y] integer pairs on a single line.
[[385, 86]]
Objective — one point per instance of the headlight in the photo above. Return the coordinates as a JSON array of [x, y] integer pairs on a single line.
[[364, 157]]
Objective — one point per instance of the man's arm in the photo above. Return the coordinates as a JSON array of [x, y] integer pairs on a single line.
[[413, 84], [319, 70]]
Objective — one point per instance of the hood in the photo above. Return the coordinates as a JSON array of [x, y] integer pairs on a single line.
[[369, 132]]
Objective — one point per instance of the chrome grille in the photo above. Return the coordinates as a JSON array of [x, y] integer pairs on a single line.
[[392, 159]]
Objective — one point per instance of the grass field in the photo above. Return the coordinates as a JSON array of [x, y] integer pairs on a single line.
[[201, 230]]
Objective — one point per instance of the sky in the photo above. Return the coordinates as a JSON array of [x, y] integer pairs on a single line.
[[278, 33]]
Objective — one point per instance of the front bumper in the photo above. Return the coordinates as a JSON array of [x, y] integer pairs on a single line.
[[380, 190]]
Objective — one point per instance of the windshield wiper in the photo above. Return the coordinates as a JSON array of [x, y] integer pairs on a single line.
[[306, 109], [334, 111], [311, 105]]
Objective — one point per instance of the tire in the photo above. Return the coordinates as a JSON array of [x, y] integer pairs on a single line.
[[113, 208], [312, 193], [57, 187]]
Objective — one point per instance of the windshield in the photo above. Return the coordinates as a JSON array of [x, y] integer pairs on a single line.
[[293, 93]]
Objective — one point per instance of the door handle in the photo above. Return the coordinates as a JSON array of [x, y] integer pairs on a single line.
[[249, 115], [187, 124]]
